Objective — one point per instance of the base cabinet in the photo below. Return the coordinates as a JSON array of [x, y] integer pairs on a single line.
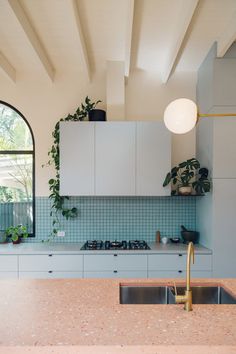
[[50, 275], [116, 274], [174, 266]]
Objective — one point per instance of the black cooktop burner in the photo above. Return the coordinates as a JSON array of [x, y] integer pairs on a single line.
[[115, 245]]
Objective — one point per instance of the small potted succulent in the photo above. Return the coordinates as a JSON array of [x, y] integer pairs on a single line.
[[16, 233], [188, 175]]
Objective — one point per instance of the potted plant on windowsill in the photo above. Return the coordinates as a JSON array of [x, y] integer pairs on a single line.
[[188, 176], [16, 233]]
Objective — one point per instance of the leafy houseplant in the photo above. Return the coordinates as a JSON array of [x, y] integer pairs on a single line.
[[58, 201], [187, 175], [16, 233]]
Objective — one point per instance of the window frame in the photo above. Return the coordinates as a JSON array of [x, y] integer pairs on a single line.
[[24, 152]]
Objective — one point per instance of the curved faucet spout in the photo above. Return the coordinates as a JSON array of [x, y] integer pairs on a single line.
[[190, 255]]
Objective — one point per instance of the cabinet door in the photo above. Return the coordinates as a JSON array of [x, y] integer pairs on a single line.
[[223, 233], [8, 263], [50, 275], [224, 150], [8, 275], [50, 262], [178, 274], [153, 150], [76, 158], [115, 262], [115, 158], [117, 274]]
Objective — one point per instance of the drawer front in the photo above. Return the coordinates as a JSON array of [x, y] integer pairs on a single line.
[[166, 274], [50, 275], [116, 274], [8, 263], [157, 262], [178, 262], [50, 263], [115, 262], [179, 274], [8, 275], [202, 262]]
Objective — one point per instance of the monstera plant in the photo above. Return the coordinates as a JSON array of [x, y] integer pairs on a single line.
[[188, 175]]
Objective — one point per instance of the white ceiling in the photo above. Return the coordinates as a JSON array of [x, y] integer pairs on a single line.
[[60, 37]]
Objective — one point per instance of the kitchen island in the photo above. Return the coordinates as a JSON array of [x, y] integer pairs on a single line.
[[86, 312]]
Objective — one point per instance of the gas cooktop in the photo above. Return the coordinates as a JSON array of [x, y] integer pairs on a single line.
[[115, 245]]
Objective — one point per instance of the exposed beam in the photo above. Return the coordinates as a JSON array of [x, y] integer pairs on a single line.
[[7, 68], [128, 39], [183, 26], [227, 37], [32, 36], [81, 39]]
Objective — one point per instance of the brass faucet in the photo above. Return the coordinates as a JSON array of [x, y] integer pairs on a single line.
[[186, 299]]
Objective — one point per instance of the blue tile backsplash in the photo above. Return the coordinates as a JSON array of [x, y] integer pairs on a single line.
[[118, 218]]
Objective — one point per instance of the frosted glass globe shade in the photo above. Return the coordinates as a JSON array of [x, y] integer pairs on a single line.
[[180, 116]]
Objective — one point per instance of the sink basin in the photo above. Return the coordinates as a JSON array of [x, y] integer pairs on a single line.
[[204, 295], [130, 294], [150, 294]]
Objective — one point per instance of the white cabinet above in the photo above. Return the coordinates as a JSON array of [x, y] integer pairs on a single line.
[[76, 158], [153, 148], [114, 158]]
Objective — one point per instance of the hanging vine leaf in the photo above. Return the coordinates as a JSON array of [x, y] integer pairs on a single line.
[[54, 159]]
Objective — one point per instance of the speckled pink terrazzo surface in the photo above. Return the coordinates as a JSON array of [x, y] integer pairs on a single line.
[[85, 312]]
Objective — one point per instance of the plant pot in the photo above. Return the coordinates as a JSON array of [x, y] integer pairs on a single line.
[[185, 190], [17, 241], [97, 115]]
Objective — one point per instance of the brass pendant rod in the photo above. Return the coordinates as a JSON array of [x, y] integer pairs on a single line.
[[217, 115]]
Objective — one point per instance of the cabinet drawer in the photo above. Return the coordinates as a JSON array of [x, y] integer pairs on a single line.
[[179, 274], [50, 262], [116, 274], [176, 262], [115, 261], [159, 262], [8, 263], [50, 275], [8, 275]]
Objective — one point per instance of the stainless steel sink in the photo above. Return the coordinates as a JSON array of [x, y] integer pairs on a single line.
[[135, 294], [204, 295], [130, 294]]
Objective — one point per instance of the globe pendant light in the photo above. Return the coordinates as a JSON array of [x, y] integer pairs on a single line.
[[180, 116]]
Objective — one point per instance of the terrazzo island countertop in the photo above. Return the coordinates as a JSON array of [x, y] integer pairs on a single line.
[[75, 248], [45, 316]]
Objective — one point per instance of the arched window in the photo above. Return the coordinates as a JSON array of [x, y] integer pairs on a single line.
[[17, 185]]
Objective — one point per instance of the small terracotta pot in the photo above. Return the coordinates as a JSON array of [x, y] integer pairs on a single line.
[[185, 190]]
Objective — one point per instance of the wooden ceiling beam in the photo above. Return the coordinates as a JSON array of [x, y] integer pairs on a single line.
[[128, 39], [7, 68], [182, 30], [32, 36], [81, 39], [227, 37]]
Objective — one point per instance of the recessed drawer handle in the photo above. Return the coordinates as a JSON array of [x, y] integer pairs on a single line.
[[180, 271], [115, 255], [50, 271], [50, 255], [180, 255], [115, 271]]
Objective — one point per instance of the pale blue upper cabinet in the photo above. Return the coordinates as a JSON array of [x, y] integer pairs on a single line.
[[77, 158], [153, 158], [114, 158]]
